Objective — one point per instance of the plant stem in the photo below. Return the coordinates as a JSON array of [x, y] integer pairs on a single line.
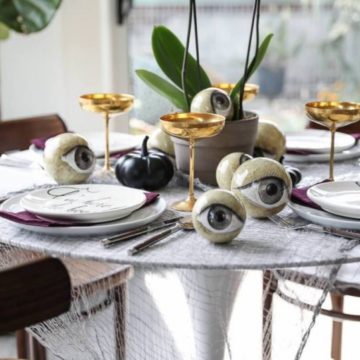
[[197, 45], [184, 64], [256, 14]]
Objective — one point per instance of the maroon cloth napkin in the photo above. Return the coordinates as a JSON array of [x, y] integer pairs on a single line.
[[299, 196], [26, 218], [308, 152], [40, 144]]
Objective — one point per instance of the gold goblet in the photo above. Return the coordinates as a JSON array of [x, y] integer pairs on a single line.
[[251, 90], [108, 105], [191, 126], [333, 115]]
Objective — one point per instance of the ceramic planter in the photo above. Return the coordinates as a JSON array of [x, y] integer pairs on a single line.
[[237, 136]]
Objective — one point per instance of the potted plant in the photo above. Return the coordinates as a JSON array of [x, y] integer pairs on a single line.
[[187, 79]]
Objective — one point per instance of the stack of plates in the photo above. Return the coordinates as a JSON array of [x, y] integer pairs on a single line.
[[340, 204], [314, 146], [87, 209]]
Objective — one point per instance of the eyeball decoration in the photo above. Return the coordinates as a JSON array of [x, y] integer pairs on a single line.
[[68, 159], [218, 216], [214, 101], [263, 185], [159, 140], [270, 141], [227, 166]]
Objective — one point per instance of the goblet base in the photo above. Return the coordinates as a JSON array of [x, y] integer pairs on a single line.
[[104, 176], [184, 205]]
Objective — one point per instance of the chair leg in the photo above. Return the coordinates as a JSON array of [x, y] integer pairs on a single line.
[[120, 321], [337, 301], [269, 288], [21, 344]]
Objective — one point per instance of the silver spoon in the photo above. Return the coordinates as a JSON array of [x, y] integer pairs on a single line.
[[183, 224]]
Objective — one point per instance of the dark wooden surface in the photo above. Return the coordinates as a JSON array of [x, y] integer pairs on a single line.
[[17, 134], [33, 292]]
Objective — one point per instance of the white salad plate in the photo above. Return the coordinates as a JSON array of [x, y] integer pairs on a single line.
[[337, 197], [348, 154], [117, 142], [318, 141], [323, 218], [89, 203], [141, 217]]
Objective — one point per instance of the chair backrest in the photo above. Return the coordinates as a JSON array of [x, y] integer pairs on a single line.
[[17, 134], [33, 292]]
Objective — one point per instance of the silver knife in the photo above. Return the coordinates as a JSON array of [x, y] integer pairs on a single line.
[[131, 234]]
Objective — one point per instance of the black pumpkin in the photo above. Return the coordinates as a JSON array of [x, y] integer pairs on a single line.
[[144, 169]]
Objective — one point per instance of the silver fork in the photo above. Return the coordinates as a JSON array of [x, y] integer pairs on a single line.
[[296, 223]]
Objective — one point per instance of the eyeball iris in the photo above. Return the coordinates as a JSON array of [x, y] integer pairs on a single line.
[[219, 217], [219, 101], [84, 157], [271, 190]]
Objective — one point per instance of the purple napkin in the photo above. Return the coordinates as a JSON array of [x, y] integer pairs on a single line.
[[299, 196], [26, 218], [308, 152]]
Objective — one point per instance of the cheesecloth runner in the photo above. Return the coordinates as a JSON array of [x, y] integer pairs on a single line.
[[181, 298]]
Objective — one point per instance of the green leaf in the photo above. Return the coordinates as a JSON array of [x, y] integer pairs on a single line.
[[164, 88], [4, 31], [169, 52], [27, 16], [255, 63]]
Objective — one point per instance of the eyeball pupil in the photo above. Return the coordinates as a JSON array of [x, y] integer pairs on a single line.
[[271, 189], [219, 217], [219, 101]]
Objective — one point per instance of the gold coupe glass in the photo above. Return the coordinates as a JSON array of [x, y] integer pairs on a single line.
[[191, 126], [251, 90], [333, 115], [108, 105]]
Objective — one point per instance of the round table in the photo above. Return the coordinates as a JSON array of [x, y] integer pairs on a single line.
[[262, 245]]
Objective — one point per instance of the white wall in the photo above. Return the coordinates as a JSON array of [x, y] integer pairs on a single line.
[[83, 50]]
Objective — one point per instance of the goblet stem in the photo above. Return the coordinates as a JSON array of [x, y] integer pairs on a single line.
[[107, 149], [332, 153], [191, 198]]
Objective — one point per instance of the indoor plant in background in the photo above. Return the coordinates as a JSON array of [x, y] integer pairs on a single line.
[[188, 78]]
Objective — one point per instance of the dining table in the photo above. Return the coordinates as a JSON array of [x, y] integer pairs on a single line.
[[208, 275]]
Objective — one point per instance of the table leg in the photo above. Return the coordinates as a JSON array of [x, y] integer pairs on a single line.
[[211, 295], [120, 305]]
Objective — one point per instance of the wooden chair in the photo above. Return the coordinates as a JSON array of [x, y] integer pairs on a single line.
[[16, 135], [34, 291]]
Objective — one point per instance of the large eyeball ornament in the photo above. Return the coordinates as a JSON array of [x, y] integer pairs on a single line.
[[214, 101], [68, 159], [227, 166], [270, 141], [263, 185], [218, 216]]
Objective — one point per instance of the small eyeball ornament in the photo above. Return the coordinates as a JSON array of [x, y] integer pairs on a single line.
[[263, 185], [68, 159], [227, 166], [159, 140], [218, 216], [214, 101], [270, 141]]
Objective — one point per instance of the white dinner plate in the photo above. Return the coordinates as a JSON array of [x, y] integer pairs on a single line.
[[323, 218], [337, 197], [349, 154], [141, 217], [117, 142], [318, 141], [87, 203]]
